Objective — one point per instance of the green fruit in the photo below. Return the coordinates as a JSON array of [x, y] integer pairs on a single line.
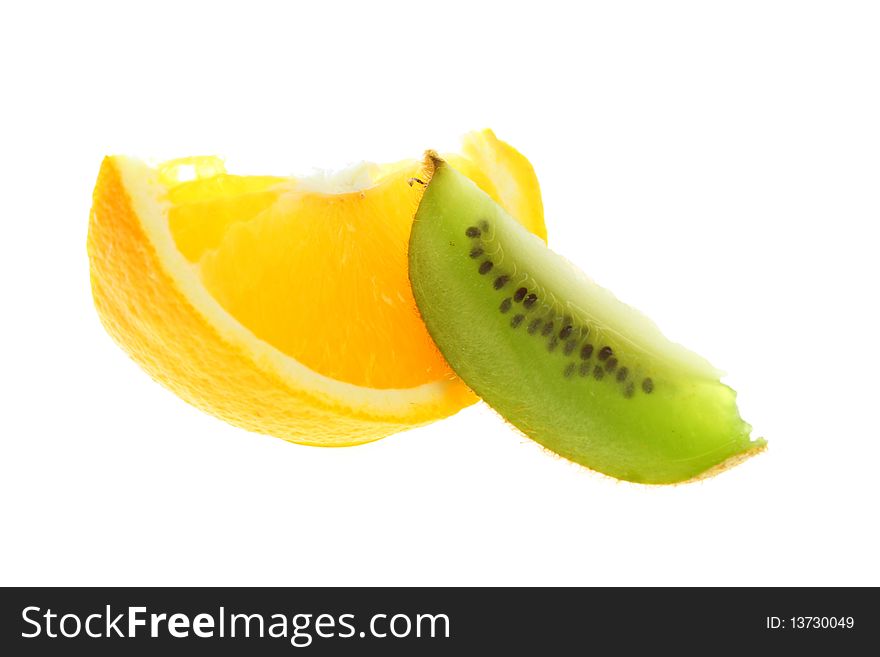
[[558, 356]]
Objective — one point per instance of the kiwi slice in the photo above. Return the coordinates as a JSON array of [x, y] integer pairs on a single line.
[[558, 356]]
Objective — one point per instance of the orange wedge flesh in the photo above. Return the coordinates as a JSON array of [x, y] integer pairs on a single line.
[[282, 305], [333, 270]]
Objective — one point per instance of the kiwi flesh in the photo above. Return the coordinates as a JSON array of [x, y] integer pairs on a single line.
[[559, 357]]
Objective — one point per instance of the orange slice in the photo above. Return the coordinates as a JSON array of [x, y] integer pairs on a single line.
[[283, 305]]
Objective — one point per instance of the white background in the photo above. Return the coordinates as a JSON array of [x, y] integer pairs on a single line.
[[717, 165]]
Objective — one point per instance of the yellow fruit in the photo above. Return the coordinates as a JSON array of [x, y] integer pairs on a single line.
[[283, 305]]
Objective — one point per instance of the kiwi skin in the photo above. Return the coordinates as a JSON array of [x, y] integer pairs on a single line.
[[560, 358]]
